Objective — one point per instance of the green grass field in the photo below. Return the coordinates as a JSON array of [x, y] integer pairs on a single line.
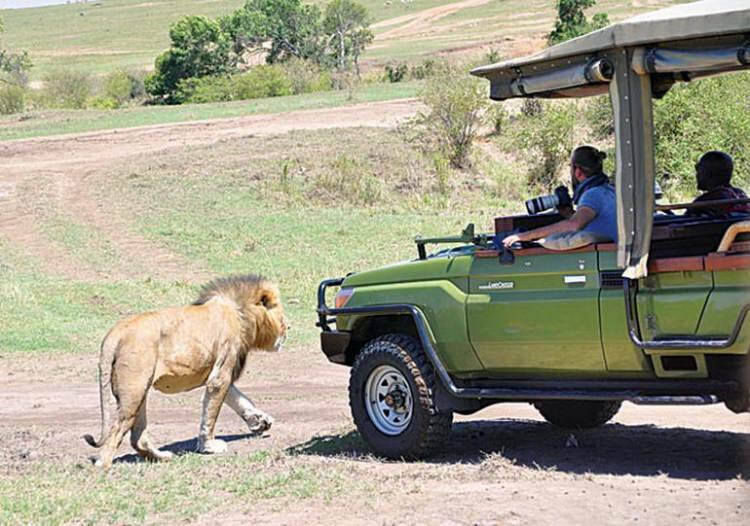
[[56, 122], [211, 206]]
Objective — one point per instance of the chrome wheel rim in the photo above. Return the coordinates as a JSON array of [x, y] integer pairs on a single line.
[[388, 400]]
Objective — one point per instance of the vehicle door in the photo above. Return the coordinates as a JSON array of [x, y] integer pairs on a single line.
[[539, 313]]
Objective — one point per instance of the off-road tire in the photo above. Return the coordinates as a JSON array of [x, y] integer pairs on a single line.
[[578, 414], [427, 428]]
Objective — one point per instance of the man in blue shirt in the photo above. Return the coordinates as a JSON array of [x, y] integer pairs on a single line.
[[595, 218]]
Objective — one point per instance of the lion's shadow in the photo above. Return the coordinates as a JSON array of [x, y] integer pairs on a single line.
[[615, 449], [182, 447]]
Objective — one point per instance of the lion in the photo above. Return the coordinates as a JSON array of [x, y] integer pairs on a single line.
[[181, 348]]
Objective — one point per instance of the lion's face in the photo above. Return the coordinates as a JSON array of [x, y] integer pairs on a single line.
[[275, 311]]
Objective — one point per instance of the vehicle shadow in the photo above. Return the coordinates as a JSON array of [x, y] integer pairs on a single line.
[[181, 447], [614, 449]]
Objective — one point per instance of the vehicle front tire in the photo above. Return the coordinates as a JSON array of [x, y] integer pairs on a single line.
[[392, 398], [578, 414]]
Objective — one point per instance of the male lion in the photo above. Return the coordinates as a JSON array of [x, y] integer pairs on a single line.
[[181, 348]]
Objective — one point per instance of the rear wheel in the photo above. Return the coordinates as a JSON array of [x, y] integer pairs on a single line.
[[578, 414], [391, 394]]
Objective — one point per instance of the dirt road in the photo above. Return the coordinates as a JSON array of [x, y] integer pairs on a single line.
[[653, 465], [40, 174]]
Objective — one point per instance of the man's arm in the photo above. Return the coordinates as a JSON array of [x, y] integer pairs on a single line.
[[583, 216]]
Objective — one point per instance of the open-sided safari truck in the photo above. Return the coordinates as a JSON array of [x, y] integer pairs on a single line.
[[659, 317]]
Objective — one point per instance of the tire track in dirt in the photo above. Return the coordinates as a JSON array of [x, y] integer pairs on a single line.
[[414, 23], [62, 171]]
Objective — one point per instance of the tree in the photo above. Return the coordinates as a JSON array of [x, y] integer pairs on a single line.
[[346, 24], [572, 22], [199, 48], [291, 27]]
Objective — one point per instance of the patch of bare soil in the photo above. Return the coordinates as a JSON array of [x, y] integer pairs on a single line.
[[421, 21], [504, 465], [36, 174]]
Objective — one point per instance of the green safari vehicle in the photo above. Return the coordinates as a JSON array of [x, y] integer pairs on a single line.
[[658, 317]]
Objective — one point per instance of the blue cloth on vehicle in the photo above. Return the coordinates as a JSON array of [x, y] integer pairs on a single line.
[[601, 199]]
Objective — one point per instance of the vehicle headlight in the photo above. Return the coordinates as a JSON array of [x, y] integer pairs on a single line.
[[343, 296]]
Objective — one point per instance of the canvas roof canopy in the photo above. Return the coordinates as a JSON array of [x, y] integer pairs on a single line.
[[633, 60], [701, 28]]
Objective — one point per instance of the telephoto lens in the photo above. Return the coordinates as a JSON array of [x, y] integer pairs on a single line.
[[542, 203], [561, 198]]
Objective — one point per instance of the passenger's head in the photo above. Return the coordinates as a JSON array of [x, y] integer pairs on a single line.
[[585, 162], [713, 169]]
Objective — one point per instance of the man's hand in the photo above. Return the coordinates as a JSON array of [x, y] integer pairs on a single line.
[[511, 239]]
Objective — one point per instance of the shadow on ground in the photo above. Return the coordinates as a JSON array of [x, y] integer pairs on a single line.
[[615, 449], [182, 447]]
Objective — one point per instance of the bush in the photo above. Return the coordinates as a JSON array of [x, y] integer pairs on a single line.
[[305, 76], [66, 89], [205, 89], [12, 98], [351, 180], [693, 118], [262, 81], [600, 117], [424, 70], [456, 104], [118, 89], [396, 72], [546, 139], [267, 80]]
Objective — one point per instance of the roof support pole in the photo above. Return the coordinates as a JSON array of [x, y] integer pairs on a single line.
[[631, 101]]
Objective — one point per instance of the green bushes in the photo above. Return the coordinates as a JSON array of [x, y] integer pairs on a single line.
[[65, 88], [267, 80], [12, 98], [456, 104], [546, 138], [710, 114], [118, 89]]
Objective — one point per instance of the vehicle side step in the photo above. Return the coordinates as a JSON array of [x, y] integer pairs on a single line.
[[675, 400]]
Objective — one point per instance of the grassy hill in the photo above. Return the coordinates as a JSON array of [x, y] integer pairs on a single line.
[[109, 34]]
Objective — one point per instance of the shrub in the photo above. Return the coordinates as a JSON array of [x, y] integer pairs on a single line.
[[497, 116], [351, 180], [12, 98], [205, 89], [546, 139], [424, 70], [600, 117], [456, 104], [396, 72], [66, 89], [692, 118], [305, 76], [266, 80]]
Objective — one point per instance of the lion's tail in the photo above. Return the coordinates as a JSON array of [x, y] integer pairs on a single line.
[[106, 396]]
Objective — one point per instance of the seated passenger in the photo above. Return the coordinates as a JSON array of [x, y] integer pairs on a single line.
[[595, 218], [713, 174]]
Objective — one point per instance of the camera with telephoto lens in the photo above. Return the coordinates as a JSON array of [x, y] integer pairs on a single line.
[[559, 199]]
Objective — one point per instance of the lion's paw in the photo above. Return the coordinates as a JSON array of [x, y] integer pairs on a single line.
[[213, 447], [259, 423]]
